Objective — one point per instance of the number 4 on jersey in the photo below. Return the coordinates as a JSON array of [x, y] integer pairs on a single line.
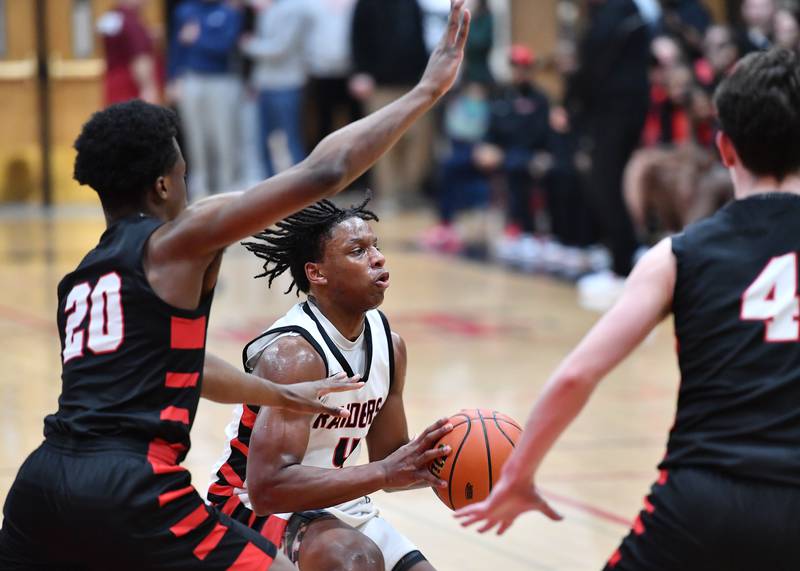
[[772, 298]]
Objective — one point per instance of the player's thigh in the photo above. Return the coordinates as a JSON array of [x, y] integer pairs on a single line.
[[328, 544]]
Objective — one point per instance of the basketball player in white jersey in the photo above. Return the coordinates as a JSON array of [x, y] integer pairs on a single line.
[[302, 469]]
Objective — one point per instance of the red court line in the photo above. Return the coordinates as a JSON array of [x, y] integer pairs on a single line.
[[601, 476], [585, 507], [26, 319]]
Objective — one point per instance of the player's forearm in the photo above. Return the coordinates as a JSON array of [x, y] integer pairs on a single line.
[[563, 398], [224, 383], [337, 161], [356, 147], [298, 487]]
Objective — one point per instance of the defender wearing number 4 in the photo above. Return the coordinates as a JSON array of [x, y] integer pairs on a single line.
[[729, 491], [106, 490], [302, 469]]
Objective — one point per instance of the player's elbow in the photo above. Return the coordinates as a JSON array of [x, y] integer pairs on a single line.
[[263, 494], [576, 379], [328, 172], [270, 493]]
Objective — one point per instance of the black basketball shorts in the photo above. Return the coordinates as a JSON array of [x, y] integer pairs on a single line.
[[702, 520], [115, 508]]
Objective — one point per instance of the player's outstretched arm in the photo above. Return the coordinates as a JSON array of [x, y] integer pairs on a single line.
[[224, 383], [646, 300], [338, 160], [276, 479]]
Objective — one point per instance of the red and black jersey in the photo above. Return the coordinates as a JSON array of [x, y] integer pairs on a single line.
[[736, 320], [132, 364]]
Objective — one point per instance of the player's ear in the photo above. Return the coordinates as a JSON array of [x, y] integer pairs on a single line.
[[727, 151], [161, 188], [315, 274]]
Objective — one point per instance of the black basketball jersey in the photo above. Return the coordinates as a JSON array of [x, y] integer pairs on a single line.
[[132, 364], [736, 320]]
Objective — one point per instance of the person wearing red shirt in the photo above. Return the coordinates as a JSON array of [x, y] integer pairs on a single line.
[[130, 55]]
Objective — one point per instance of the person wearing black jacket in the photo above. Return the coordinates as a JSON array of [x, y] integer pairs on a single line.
[[516, 142], [609, 96], [389, 56]]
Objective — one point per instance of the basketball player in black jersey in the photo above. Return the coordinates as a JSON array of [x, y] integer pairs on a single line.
[[729, 491], [304, 469], [105, 490]]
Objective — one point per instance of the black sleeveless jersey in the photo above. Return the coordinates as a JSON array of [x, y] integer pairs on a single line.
[[736, 320], [132, 364]]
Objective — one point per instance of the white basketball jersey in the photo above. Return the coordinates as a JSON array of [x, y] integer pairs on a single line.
[[333, 442], [336, 442]]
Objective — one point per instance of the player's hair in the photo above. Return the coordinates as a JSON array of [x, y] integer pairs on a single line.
[[759, 110], [123, 149], [300, 238]]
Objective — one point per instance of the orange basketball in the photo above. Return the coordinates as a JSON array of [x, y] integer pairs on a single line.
[[481, 441]]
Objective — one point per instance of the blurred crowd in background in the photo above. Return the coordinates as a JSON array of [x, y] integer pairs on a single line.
[[575, 181]]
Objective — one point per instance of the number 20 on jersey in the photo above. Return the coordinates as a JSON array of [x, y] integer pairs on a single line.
[[106, 328]]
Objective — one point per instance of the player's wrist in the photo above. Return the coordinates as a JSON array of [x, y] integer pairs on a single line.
[[515, 472], [428, 91], [382, 474]]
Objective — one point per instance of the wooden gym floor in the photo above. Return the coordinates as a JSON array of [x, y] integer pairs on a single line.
[[477, 336]]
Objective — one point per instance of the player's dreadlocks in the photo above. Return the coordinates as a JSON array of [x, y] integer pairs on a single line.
[[300, 238]]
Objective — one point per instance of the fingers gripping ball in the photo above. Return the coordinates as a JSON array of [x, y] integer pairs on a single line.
[[481, 441]]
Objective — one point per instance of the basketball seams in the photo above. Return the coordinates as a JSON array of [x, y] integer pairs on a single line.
[[488, 448], [479, 469], [468, 422], [503, 432], [494, 413]]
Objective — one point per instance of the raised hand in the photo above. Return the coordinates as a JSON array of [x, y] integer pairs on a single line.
[[442, 69], [304, 397], [408, 465], [506, 502]]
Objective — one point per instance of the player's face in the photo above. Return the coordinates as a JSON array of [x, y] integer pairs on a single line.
[[354, 267]]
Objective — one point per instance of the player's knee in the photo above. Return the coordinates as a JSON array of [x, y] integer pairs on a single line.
[[350, 551]]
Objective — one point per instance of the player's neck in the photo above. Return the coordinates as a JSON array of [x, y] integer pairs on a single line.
[[146, 209], [747, 184], [350, 324]]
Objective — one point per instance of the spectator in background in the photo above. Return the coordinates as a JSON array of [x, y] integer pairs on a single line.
[[786, 30], [677, 115], [755, 32], [479, 45], [516, 148], [129, 53], [720, 53], [389, 55], [610, 92], [250, 164], [573, 252], [208, 90], [330, 63], [687, 21], [277, 48], [652, 13], [462, 185]]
